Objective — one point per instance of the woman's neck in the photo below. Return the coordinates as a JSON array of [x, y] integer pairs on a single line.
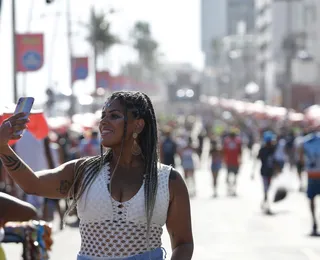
[[127, 160]]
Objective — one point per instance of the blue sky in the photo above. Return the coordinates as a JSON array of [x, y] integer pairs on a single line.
[[175, 25]]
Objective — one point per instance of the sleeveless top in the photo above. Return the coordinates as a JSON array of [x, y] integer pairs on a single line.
[[311, 147], [111, 229]]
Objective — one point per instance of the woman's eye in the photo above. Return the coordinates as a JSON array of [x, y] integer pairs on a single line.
[[114, 116]]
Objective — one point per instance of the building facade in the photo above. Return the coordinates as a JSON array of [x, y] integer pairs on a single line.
[[213, 26], [240, 10], [275, 21], [220, 19]]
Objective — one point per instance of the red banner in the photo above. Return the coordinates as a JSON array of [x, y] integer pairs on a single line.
[[104, 80], [117, 83], [29, 52], [80, 68], [121, 83]]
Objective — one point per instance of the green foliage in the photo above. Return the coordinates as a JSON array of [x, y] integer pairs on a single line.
[[100, 36], [144, 43]]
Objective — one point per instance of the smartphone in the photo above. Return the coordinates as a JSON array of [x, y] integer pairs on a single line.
[[24, 105]]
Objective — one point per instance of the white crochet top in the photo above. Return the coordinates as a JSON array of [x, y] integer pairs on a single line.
[[110, 229]]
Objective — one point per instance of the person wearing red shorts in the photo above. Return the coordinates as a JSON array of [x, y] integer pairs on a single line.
[[232, 150]]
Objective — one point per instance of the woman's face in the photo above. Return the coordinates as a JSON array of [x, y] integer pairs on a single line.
[[111, 124]]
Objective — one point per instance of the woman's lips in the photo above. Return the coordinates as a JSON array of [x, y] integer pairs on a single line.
[[106, 132]]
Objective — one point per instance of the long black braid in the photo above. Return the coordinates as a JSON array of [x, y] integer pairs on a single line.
[[140, 106]]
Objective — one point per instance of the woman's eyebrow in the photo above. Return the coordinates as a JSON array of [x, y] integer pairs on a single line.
[[112, 110]]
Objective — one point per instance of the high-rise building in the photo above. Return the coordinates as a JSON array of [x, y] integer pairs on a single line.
[[220, 18], [240, 11], [213, 25], [275, 20]]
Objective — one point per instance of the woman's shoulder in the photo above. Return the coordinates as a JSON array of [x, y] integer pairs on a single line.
[[164, 169], [168, 171]]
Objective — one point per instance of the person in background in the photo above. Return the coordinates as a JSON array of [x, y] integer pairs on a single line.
[[13, 209], [232, 151], [187, 162], [216, 164], [168, 148], [266, 156], [250, 142], [280, 154], [310, 156], [290, 149], [90, 146], [201, 137]]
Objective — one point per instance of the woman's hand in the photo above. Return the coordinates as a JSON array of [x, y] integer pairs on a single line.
[[11, 126]]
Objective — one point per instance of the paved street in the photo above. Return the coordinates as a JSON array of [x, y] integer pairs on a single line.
[[230, 227]]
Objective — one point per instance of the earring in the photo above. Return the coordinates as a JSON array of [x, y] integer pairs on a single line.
[[135, 150]]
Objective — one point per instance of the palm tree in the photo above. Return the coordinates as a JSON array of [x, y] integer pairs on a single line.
[[145, 45], [100, 37]]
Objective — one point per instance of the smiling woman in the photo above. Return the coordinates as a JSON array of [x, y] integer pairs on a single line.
[[124, 196]]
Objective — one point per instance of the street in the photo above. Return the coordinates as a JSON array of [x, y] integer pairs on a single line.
[[229, 227]]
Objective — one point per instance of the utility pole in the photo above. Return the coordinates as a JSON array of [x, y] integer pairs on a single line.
[[289, 57], [14, 52], [70, 56], [24, 75]]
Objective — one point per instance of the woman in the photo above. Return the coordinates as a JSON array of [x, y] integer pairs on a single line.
[[216, 163], [124, 196], [186, 155]]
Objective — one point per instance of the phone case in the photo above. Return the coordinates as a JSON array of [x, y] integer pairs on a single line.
[[24, 105]]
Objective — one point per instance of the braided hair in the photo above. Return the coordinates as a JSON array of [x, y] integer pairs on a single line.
[[140, 106]]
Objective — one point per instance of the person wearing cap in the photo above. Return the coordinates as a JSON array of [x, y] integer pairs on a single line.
[[266, 156]]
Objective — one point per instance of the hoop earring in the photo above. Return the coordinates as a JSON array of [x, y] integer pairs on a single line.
[[135, 150]]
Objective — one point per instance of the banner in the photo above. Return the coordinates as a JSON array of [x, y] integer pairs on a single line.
[[121, 83], [29, 52], [80, 68], [104, 80]]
